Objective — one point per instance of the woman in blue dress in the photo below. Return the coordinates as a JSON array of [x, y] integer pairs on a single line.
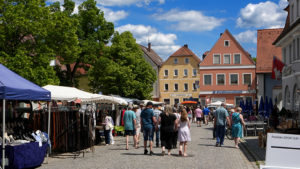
[[237, 122]]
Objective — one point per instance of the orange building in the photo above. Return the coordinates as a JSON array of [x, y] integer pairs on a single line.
[[227, 73]]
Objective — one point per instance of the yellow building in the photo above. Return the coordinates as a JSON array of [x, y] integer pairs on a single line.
[[178, 77]]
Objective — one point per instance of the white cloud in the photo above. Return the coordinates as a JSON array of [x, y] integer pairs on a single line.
[[247, 37], [113, 16], [283, 4], [163, 44], [190, 20], [110, 15], [262, 15], [127, 2]]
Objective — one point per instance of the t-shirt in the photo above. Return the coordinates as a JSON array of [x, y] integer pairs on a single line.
[[198, 112], [156, 113], [128, 118], [138, 116], [167, 122], [146, 117], [206, 111], [220, 115]]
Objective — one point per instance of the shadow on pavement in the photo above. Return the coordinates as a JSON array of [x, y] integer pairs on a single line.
[[213, 145], [252, 151]]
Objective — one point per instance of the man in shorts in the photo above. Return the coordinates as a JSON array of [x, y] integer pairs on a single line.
[[206, 114], [130, 125], [157, 113], [198, 113], [148, 122]]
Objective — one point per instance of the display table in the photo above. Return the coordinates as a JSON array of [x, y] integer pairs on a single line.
[[25, 155], [254, 126]]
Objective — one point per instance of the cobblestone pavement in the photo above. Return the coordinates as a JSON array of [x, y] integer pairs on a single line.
[[202, 154]]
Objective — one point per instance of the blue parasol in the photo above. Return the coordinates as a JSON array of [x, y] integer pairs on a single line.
[[250, 107], [266, 108], [247, 107], [261, 107], [242, 105], [271, 108]]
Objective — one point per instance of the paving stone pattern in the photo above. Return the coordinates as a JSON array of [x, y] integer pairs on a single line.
[[202, 155]]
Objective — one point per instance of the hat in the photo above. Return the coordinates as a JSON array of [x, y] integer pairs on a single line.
[[149, 104], [135, 106]]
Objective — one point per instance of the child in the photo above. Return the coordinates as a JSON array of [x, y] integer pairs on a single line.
[[184, 134]]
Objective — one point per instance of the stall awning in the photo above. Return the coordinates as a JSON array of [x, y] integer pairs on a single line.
[[15, 87]]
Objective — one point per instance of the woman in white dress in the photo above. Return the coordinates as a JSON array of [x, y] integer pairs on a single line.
[[184, 134]]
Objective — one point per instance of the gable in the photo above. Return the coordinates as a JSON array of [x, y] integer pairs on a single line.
[[232, 49]]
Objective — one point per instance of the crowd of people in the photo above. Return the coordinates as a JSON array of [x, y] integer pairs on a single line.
[[171, 125]]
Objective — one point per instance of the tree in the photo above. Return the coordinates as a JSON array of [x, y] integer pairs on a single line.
[[93, 33], [24, 28], [254, 59], [122, 70]]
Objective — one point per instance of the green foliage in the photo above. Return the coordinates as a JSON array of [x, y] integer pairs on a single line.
[[254, 59], [24, 29], [122, 70]]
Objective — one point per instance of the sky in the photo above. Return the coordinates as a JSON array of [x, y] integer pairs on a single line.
[[169, 24]]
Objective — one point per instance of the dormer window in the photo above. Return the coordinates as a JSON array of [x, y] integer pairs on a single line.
[[226, 43], [175, 61], [187, 60]]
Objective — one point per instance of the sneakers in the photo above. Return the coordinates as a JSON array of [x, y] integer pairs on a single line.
[[151, 153], [145, 151], [217, 144]]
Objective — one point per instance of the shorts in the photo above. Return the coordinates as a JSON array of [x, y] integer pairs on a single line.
[[199, 118], [130, 132], [148, 134], [206, 116], [138, 130]]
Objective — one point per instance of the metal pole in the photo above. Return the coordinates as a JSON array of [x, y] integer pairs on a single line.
[[49, 121], [3, 132]]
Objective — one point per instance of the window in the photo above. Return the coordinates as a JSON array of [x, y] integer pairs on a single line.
[[167, 101], [284, 55], [176, 101], [166, 87], [194, 86], [292, 14], [217, 59], [247, 79], [298, 48], [186, 87], [220, 79], [175, 60], [226, 43], [294, 50], [176, 86], [166, 73], [185, 72], [186, 60], [234, 79], [207, 80], [176, 72], [237, 58], [226, 58], [290, 54], [238, 100], [194, 72]]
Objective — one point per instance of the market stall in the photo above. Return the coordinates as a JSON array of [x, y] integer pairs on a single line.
[[14, 87]]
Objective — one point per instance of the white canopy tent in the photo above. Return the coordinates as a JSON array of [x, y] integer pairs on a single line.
[[218, 103], [73, 94], [154, 102]]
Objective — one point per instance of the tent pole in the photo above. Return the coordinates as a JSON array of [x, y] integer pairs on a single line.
[[3, 132], [49, 121]]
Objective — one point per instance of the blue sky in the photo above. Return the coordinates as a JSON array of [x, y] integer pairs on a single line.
[[169, 24]]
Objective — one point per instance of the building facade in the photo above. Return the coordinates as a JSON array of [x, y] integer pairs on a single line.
[[178, 77], [266, 86], [289, 41], [155, 61], [227, 73]]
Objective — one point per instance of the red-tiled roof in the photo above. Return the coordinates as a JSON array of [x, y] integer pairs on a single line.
[[266, 50], [185, 51], [152, 55]]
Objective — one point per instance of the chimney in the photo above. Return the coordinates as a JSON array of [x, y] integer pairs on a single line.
[[185, 45], [221, 34], [149, 47]]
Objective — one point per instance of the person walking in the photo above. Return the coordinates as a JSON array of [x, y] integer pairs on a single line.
[[167, 122], [175, 135], [184, 134], [130, 124], [108, 126], [137, 112], [157, 113], [147, 122], [221, 117], [190, 114], [206, 115], [237, 122], [198, 113]]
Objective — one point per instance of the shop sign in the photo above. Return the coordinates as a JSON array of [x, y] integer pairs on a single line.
[[181, 95], [283, 151]]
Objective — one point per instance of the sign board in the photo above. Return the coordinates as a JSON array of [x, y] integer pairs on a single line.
[[283, 151], [215, 99]]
